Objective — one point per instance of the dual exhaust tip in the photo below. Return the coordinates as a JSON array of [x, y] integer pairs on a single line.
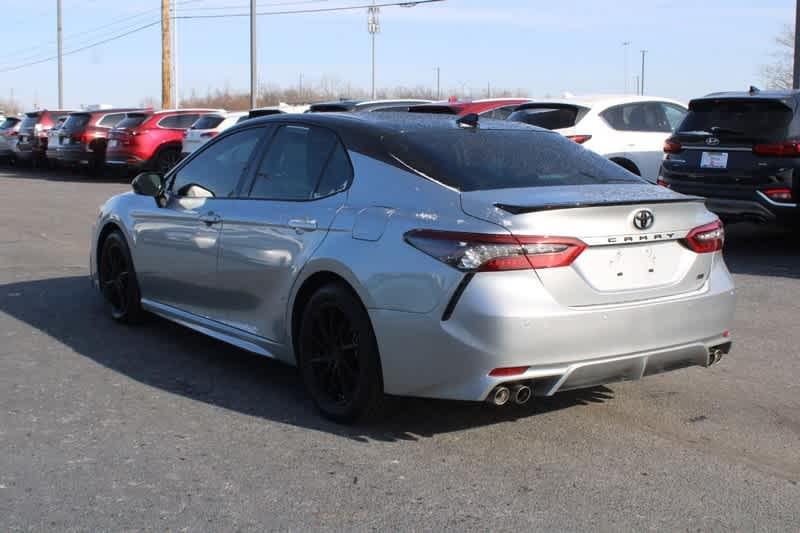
[[501, 395]]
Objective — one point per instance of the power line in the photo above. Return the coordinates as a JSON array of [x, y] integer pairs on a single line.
[[411, 3]]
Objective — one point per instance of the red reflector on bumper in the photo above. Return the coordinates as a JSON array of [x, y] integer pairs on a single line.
[[508, 371]]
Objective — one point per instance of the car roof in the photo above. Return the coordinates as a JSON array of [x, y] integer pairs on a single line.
[[790, 98], [356, 105], [604, 100]]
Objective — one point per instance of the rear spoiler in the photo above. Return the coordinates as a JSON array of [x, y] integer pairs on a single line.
[[522, 209], [436, 109]]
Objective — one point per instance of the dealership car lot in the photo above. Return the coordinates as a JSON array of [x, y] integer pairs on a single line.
[[109, 427]]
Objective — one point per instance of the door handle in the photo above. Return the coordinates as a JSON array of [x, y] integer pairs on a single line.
[[301, 225], [210, 219]]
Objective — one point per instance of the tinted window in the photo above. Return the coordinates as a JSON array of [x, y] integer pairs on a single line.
[[337, 173], [643, 116], [132, 120], [674, 114], [500, 159], [110, 121], [29, 121], [178, 122], [501, 113], [217, 168], [76, 121], [208, 122], [746, 120], [549, 117], [8, 123], [294, 164]]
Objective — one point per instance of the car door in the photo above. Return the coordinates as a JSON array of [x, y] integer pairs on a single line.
[[294, 193], [177, 245]]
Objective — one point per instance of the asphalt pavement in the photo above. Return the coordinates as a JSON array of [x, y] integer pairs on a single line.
[[108, 427]]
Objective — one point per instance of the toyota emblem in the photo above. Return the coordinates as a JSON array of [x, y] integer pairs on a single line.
[[643, 219]]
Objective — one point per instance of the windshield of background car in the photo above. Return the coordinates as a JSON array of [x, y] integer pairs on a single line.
[[745, 120], [474, 160], [132, 120]]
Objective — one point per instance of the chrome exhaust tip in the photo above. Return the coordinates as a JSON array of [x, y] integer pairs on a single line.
[[715, 356], [500, 395], [521, 394]]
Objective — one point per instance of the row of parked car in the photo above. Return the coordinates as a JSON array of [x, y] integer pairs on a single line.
[[739, 150], [628, 130]]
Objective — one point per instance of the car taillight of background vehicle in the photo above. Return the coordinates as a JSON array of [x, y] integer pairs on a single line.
[[474, 252], [782, 195], [580, 139], [784, 149], [671, 146], [707, 238]]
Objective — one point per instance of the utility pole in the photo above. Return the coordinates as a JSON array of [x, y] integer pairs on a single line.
[[637, 84], [439, 81], [253, 67], [61, 56], [641, 82], [176, 100], [488, 89], [374, 27], [166, 56], [626, 45], [300, 87], [796, 73]]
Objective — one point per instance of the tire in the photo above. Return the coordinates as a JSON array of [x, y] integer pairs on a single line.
[[118, 280], [166, 159], [338, 356]]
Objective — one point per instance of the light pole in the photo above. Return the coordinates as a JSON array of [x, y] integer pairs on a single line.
[[626, 45], [61, 57], [373, 27], [641, 81], [796, 73], [253, 69], [439, 82]]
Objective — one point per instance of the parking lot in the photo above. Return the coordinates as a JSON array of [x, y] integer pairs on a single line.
[[110, 427]]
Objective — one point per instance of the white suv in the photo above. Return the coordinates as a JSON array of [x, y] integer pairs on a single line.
[[629, 130], [207, 127]]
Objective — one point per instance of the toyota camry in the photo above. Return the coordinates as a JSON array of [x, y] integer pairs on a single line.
[[420, 255]]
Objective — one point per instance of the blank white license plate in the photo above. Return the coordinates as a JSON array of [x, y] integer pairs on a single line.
[[714, 160], [113, 143]]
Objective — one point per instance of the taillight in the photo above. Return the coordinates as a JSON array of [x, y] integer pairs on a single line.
[[706, 239], [660, 181], [779, 195], [784, 149], [474, 252], [580, 139], [672, 146]]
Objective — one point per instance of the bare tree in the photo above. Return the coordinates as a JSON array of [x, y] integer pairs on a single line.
[[778, 74]]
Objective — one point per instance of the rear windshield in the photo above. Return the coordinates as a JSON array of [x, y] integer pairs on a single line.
[[207, 122], [9, 123], [29, 121], [549, 117], [132, 120], [737, 119], [500, 159], [76, 122]]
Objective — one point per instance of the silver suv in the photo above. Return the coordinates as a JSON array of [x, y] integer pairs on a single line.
[[420, 255]]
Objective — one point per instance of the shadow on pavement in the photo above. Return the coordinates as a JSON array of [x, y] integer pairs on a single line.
[[762, 250], [28, 171], [174, 359]]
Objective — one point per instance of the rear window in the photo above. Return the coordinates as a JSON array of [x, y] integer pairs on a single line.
[[549, 117], [29, 121], [757, 120], [132, 120], [500, 159], [110, 121], [76, 121], [9, 123], [178, 122], [208, 122]]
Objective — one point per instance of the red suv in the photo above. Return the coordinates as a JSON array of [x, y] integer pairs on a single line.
[[151, 140], [32, 139], [83, 137], [499, 108]]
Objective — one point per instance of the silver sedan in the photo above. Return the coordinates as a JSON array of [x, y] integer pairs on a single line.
[[417, 255]]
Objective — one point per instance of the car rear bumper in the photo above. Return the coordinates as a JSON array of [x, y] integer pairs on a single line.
[[125, 160], [514, 322]]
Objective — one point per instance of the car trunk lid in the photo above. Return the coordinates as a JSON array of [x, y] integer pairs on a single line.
[[622, 263]]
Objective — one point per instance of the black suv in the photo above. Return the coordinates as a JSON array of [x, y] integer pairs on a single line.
[[742, 152]]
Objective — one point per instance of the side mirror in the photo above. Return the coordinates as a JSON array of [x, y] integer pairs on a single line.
[[150, 184]]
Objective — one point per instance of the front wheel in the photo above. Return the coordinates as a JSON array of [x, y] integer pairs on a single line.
[[338, 356], [118, 280]]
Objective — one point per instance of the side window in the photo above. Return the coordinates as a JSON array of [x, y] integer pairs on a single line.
[[216, 170], [644, 116], [675, 115], [302, 163], [180, 122], [501, 113], [109, 121]]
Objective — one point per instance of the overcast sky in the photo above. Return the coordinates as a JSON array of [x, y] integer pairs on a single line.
[[543, 47]]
